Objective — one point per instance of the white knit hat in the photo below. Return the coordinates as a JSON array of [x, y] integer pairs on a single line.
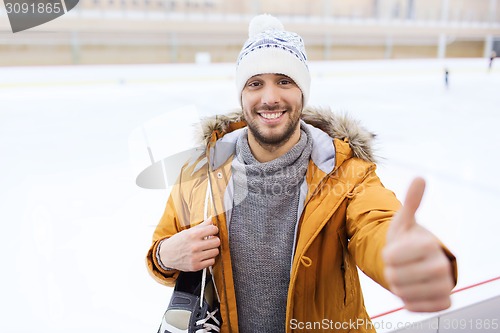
[[271, 49]]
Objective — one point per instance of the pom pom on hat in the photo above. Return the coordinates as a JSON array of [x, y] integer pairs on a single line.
[[262, 23], [271, 49]]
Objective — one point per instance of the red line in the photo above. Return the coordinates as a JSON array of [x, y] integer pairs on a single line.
[[475, 285], [453, 292], [388, 312]]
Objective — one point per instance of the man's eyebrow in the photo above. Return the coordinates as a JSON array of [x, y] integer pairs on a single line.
[[284, 76], [281, 77], [255, 76]]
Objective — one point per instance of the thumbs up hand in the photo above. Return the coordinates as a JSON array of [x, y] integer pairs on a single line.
[[416, 268]]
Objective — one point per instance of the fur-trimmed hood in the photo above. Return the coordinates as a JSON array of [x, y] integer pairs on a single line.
[[337, 126]]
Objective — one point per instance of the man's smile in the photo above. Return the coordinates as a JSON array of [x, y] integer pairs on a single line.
[[271, 115]]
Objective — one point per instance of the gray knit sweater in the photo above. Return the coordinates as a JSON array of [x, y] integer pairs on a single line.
[[262, 231]]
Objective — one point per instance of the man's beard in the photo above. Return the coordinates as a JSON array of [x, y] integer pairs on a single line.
[[271, 141]]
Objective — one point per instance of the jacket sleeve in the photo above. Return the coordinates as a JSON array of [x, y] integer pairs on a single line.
[[369, 213], [167, 227], [178, 215]]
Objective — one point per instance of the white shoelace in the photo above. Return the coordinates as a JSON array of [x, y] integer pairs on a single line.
[[208, 199], [206, 326]]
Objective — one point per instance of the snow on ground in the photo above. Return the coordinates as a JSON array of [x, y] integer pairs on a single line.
[[76, 227]]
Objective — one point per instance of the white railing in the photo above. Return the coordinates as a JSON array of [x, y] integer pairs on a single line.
[[476, 308], [478, 11]]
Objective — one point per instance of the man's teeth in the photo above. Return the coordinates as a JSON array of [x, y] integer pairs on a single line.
[[271, 115]]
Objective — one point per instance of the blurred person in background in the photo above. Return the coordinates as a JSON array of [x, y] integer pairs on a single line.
[[446, 78], [493, 55], [295, 206]]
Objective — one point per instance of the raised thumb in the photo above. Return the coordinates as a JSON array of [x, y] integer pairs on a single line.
[[405, 218], [414, 195]]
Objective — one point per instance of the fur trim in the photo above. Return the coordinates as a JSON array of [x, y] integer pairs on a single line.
[[342, 126], [337, 126], [218, 123]]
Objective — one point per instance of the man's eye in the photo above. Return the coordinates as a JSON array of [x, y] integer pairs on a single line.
[[285, 81], [254, 84]]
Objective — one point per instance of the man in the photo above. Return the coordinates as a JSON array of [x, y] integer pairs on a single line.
[[296, 206], [493, 55]]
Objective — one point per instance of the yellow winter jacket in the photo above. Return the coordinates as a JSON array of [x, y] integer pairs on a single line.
[[343, 223]]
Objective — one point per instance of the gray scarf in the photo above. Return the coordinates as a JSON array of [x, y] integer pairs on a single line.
[[262, 232]]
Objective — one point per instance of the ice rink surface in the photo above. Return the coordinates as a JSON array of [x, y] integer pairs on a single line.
[[76, 227]]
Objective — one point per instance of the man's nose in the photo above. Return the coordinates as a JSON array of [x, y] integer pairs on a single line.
[[270, 95]]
